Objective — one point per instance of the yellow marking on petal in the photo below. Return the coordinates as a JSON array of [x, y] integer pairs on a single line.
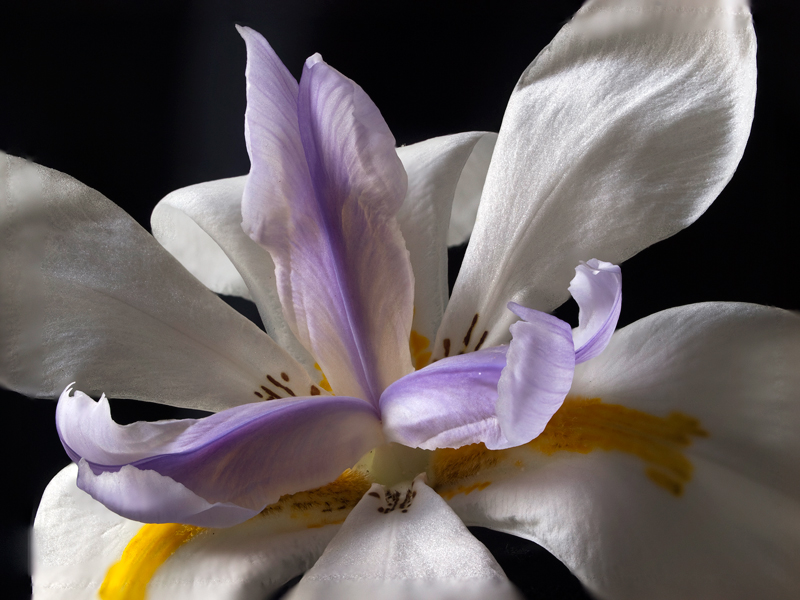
[[324, 382], [465, 489], [582, 426], [419, 344], [326, 505], [127, 579]]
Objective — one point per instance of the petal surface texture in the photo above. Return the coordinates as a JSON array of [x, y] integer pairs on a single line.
[[501, 396], [242, 458], [597, 288], [447, 404], [201, 226], [322, 195], [733, 531], [436, 169], [87, 295], [399, 544], [538, 374], [620, 133], [76, 540]]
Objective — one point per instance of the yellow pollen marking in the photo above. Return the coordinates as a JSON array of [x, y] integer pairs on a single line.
[[582, 425], [419, 344], [326, 505], [154, 544], [464, 489], [324, 382], [148, 550]]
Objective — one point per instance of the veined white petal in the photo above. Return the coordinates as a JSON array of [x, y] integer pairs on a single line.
[[88, 296], [436, 171], [731, 530], [620, 133], [76, 540], [404, 543], [201, 226]]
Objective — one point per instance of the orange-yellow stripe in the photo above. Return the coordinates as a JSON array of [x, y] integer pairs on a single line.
[[145, 553]]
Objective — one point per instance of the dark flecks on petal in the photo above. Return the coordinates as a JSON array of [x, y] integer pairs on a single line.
[[469, 331], [446, 344], [480, 341], [285, 376], [315, 390], [277, 383]]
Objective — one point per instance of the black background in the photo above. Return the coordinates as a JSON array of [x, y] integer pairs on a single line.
[[137, 98]]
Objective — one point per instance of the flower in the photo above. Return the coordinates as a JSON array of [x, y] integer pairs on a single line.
[[733, 115]]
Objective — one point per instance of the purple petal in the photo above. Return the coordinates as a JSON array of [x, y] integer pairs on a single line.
[[324, 208], [448, 404], [597, 288], [538, 374], [245, 457], [144, 495], [358, 309]]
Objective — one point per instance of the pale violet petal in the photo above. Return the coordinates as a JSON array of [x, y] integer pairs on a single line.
[[620, 133], [597, 288], [201, 226], [76, 539], [500, 396], [448, 404], [469, 190], [357, 308], [538, 374], [87, 295], [247, 456], [404, 543], [436, 170], [733, 368], [144, 495], [324, 187]]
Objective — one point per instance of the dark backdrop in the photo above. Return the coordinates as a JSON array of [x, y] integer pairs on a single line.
[[137, 98]]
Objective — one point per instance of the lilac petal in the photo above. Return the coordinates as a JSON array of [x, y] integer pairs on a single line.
[[144, 495], [597, 288], [539, 366], [342, 261], [247, 456], [324, 187], [448, 404]]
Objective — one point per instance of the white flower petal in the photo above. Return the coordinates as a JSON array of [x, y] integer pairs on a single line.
[[76, 540], [201, 226], [733, 532], [404, 547], [435, 170], [89, 296], [469, 190], [620, 133]]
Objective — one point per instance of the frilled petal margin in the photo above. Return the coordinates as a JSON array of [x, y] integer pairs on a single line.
[[404, 543], [597, 288], [621, 133], [76, 540], [236, 461], [87, 295], [504, 396], [733, 533], [324, 187]]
